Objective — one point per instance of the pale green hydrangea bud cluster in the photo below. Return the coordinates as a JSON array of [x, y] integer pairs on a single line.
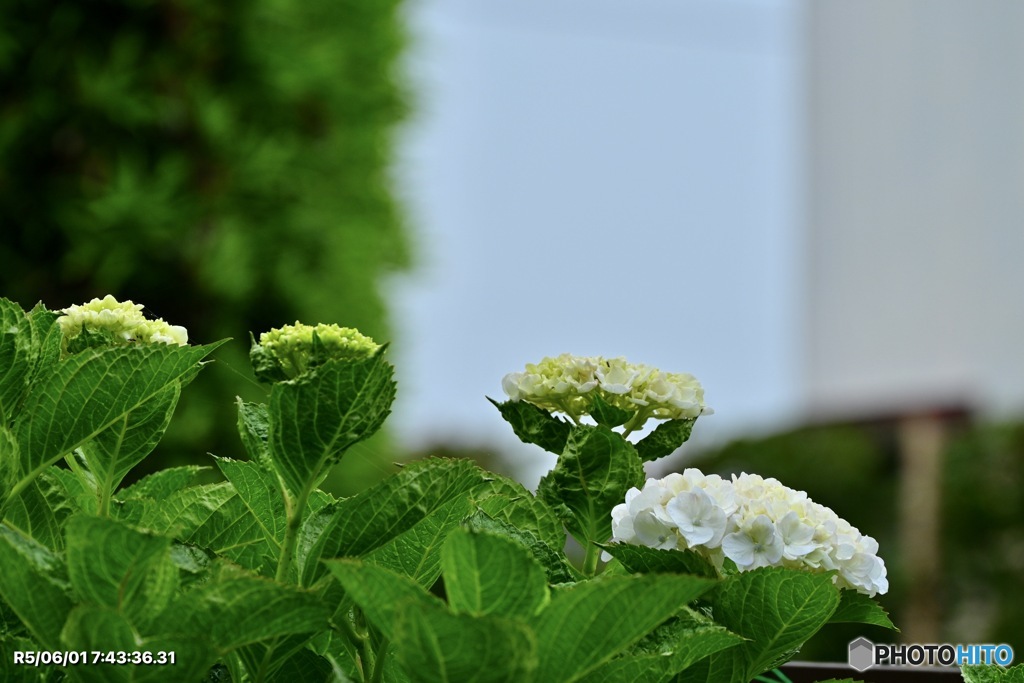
[[568, 384], [108, 321], [754, 522], [289, 351]]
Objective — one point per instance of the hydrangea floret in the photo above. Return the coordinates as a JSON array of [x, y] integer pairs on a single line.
[[572, 384], [289, 351], [752, 521], [109, 321]]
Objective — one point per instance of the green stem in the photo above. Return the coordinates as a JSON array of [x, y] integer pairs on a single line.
[[103, 504], [590, 559], [779, 677], [267, 656], [355, 642], [378, 663], [366, 654], [636, 422], [20, 486], [294, 510]]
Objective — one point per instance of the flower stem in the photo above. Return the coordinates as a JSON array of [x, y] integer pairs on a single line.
[[103, 504], [378, 663], [590, 559], [294, 509]]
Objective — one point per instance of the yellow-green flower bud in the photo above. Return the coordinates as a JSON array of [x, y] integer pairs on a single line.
[[286, 352], [108, 322], [569, 384]]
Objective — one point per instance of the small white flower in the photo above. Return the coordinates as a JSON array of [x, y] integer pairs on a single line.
[[616, 376], [510, 385], [622, 524], [652, 531], [797, 537], [757, 545], [699, 520], [866, 573]]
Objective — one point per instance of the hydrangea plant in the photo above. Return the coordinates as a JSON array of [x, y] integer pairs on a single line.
[[249, 572]]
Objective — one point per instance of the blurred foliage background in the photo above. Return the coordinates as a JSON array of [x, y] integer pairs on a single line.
[[226, 164]]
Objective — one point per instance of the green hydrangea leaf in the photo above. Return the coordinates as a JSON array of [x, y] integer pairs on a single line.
[[776, 609], [182, 512], [431, 494], [592, 476], [115, 566], [416, 553], [210, 516], [35, 586], [162, 484], [534, 425], [509, 501], [554, 562], [380, 593], [858, 608], [29, 343], [42, 508], [77, 489], [254, 428], [15, 354], [214, 516], [235, 608], [490, 574], [638, 559], [102, 629], [239, 519], [314, 418], [259, 491], [435, 646], [665, 439], [667, 650], [431, 643], [10, 672], [299, 665], [122, 446], [991, 673], [606, 414], [587, 624], [9, 458], [93, 391]]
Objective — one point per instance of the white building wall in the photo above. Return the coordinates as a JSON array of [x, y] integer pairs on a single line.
[[915, 226]]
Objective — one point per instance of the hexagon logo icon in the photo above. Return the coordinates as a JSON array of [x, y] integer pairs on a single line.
[[862, 654]]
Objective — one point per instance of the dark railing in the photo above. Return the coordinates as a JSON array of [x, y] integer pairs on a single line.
[[811, 672]]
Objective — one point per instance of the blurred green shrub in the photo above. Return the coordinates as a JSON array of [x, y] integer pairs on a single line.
[[224, 163]]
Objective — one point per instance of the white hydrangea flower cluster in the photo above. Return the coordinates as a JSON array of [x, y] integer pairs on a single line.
[[568, 384], [121, 321], [754, 522]]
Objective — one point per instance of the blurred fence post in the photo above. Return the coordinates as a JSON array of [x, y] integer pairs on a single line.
[[922, 439]]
